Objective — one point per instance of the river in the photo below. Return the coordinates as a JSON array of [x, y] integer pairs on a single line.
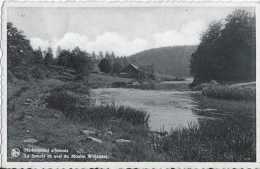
[[168, 109]]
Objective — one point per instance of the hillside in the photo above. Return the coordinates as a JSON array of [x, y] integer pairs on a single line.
[[166, 60]]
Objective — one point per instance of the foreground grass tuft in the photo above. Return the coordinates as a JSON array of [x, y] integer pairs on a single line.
[[70, 105], [212, 140]]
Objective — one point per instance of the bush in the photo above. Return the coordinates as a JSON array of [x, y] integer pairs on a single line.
[[61, 99]]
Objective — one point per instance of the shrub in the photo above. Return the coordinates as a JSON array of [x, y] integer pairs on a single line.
[[61, 99]]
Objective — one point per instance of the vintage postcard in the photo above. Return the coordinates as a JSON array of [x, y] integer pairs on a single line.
[[129, 84]]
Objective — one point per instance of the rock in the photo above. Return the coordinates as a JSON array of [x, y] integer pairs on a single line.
[[30, 140], [94, 139], [213, 82], [110, 133], [123, 141], [88, 132], [56, 115], [27, 131], [28, 101]]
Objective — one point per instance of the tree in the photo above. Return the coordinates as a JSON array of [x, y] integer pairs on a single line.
[[117, 67], [64, 58], [105, 66], [227, 51], [93, 55], [107, 55], [19, 50], [101, 55], [112, 56], [81, 62], [38, 57], [238, 40], [48, 59], [203, 61]]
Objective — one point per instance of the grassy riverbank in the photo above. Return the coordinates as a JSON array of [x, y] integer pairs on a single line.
[[57, 114], [229, 91], [227, 136], [54, 113]]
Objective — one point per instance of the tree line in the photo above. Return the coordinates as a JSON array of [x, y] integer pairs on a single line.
[[20, 53], [227, 51]]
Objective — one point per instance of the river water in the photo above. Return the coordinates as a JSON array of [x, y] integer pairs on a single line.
[[168, 109]]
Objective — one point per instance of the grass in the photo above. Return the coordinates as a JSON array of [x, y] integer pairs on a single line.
[[211, 140], [227, 135], [229, 92], [70, 105], [69, 111], [226, 139]]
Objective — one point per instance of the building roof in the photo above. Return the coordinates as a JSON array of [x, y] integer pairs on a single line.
[[136, 67]]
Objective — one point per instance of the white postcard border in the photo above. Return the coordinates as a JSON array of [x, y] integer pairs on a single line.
[[120, 3]]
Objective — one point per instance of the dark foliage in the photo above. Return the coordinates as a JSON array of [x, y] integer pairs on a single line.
[[38, 56], [19, 50], [62, 100], [227, 50], [48, 59], [77, 59], [105, 65]]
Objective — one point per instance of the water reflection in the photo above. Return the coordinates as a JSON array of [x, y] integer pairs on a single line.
[[171, 109], [167, 109]]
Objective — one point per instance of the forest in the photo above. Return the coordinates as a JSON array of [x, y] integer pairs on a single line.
[[227, 51]]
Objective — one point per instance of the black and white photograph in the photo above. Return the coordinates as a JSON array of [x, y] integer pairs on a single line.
[[131, 84]]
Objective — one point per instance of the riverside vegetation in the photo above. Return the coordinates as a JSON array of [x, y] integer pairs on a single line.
[[49, 107]]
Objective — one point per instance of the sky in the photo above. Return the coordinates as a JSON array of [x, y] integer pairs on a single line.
[[124, 30]]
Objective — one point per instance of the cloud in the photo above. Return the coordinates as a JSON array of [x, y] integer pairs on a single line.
[[109, 41], [188, 34], [37, 42], [121, 45]]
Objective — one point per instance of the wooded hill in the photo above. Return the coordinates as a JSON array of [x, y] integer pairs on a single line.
[[166, 60]]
